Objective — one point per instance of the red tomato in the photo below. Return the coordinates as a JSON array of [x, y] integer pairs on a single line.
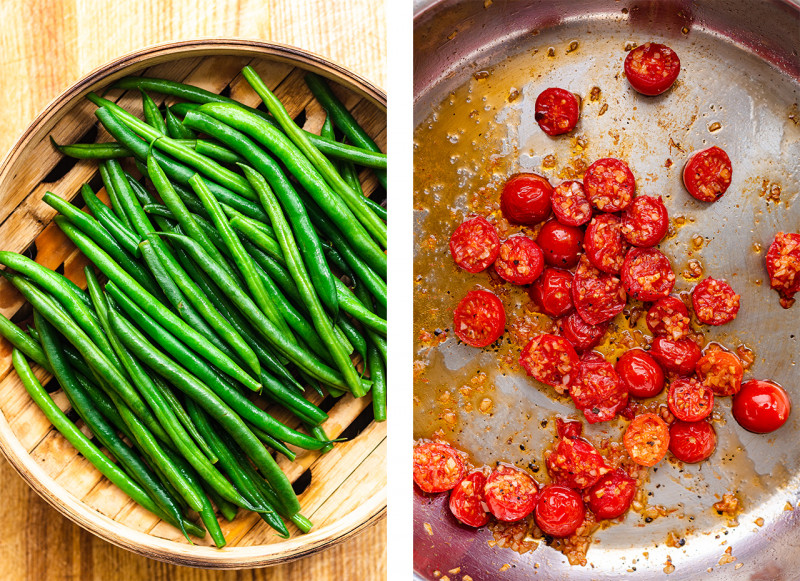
[[570, 204], [609, 184], [640, 374], [526, 199], [479, 319], [559, 511], [692, 442], [689, 400], [568, 428], [561, 244], [646, 439], [437, 467], [551, 360], [707, 174], [581, 334], [612, 495], [467, 502], [783, 265], [510, 493], [598, 297], [679, 356], [552, 292], [645, 222], [669, 317], [647, 274], [597, 391], [761, 406], [557, 111], [603, 243], [475, 244], [575, 463], [520, 260], [652, 68], [715, 302], [721, 371]]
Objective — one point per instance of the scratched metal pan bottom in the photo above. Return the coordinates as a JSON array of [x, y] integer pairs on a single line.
[[478, 68]]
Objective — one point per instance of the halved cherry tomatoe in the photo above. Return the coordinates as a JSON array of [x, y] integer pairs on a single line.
[[561, 244], [570, 204], [652, 68], [707, 174], [783, 265], [526, 199], [597, 391], [721, 371], [551, 360], [609, 184], [645, 222], [511, 493], [581, 334], [598, 296], [612, 495], [467, 501], [715, 302], [559, 511], [669, 317], [647, 274], [437, 467], [575, 463], [640, 374], [603, 243], [646, 439], [552, 292], [475, 244], [557, 111], [761, 406], [692, 442], [689, 400], [520, 260], [479, 319]]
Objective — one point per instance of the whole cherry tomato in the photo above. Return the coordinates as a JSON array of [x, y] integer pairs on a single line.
[[761, 406], [559, 511], [552, 292], [561, 244], [612, 495], [640, 373], [526, 199], [692, 442]]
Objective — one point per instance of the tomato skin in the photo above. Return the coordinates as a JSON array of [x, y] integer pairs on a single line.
[[715, 302], [640, 373], [561, 244], [692, 442], [646, 439], [609, 184], [721, 371], [525, 199], [510, 493], [437, 467], [557, 111], [603, 243], [645, 222], [707, 174], [783, 265], [475, 244], [761, 406], [669, 317], [559, 511], [467, 500], [575, 463], [598, 297], [520, 260], [679, 356], [611, 497], [479, 319], [570, 204], [689, 400], [581, 334], [597, 392], [552, 292], [652, 68], [551, 360]]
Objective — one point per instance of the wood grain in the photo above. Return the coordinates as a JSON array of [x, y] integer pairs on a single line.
[[48, 46]]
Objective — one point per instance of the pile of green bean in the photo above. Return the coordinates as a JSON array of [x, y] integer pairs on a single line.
[[246, 267]]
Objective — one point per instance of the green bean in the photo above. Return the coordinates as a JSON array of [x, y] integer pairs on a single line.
[[127, 199], [229, 124], [356, 309], [342, 118], [300, 275], [319, 433], [350, 175], [21, 341], [205, 165], [355, 337], [228, 510], [152, 115], [101, 402], [175, 170], [206, 399], [306, 237], [216, 151], [354, 201], [329, 147], [183, 417], [109, 372], [207, 513], [258, 237], [153, 307], [377, 374], [175, 128], [112, 195], [242, 260], [336, 262], [271, 442], [91, 150], [81, 443], [123, 235], [233, 470]]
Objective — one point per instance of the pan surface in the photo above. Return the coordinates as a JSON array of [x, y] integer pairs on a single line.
[[478, 69]]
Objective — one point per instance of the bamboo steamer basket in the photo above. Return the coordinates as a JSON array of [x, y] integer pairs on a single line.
[[343, 491]]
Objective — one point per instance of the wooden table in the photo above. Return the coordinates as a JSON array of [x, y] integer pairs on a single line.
[[47, 46]]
